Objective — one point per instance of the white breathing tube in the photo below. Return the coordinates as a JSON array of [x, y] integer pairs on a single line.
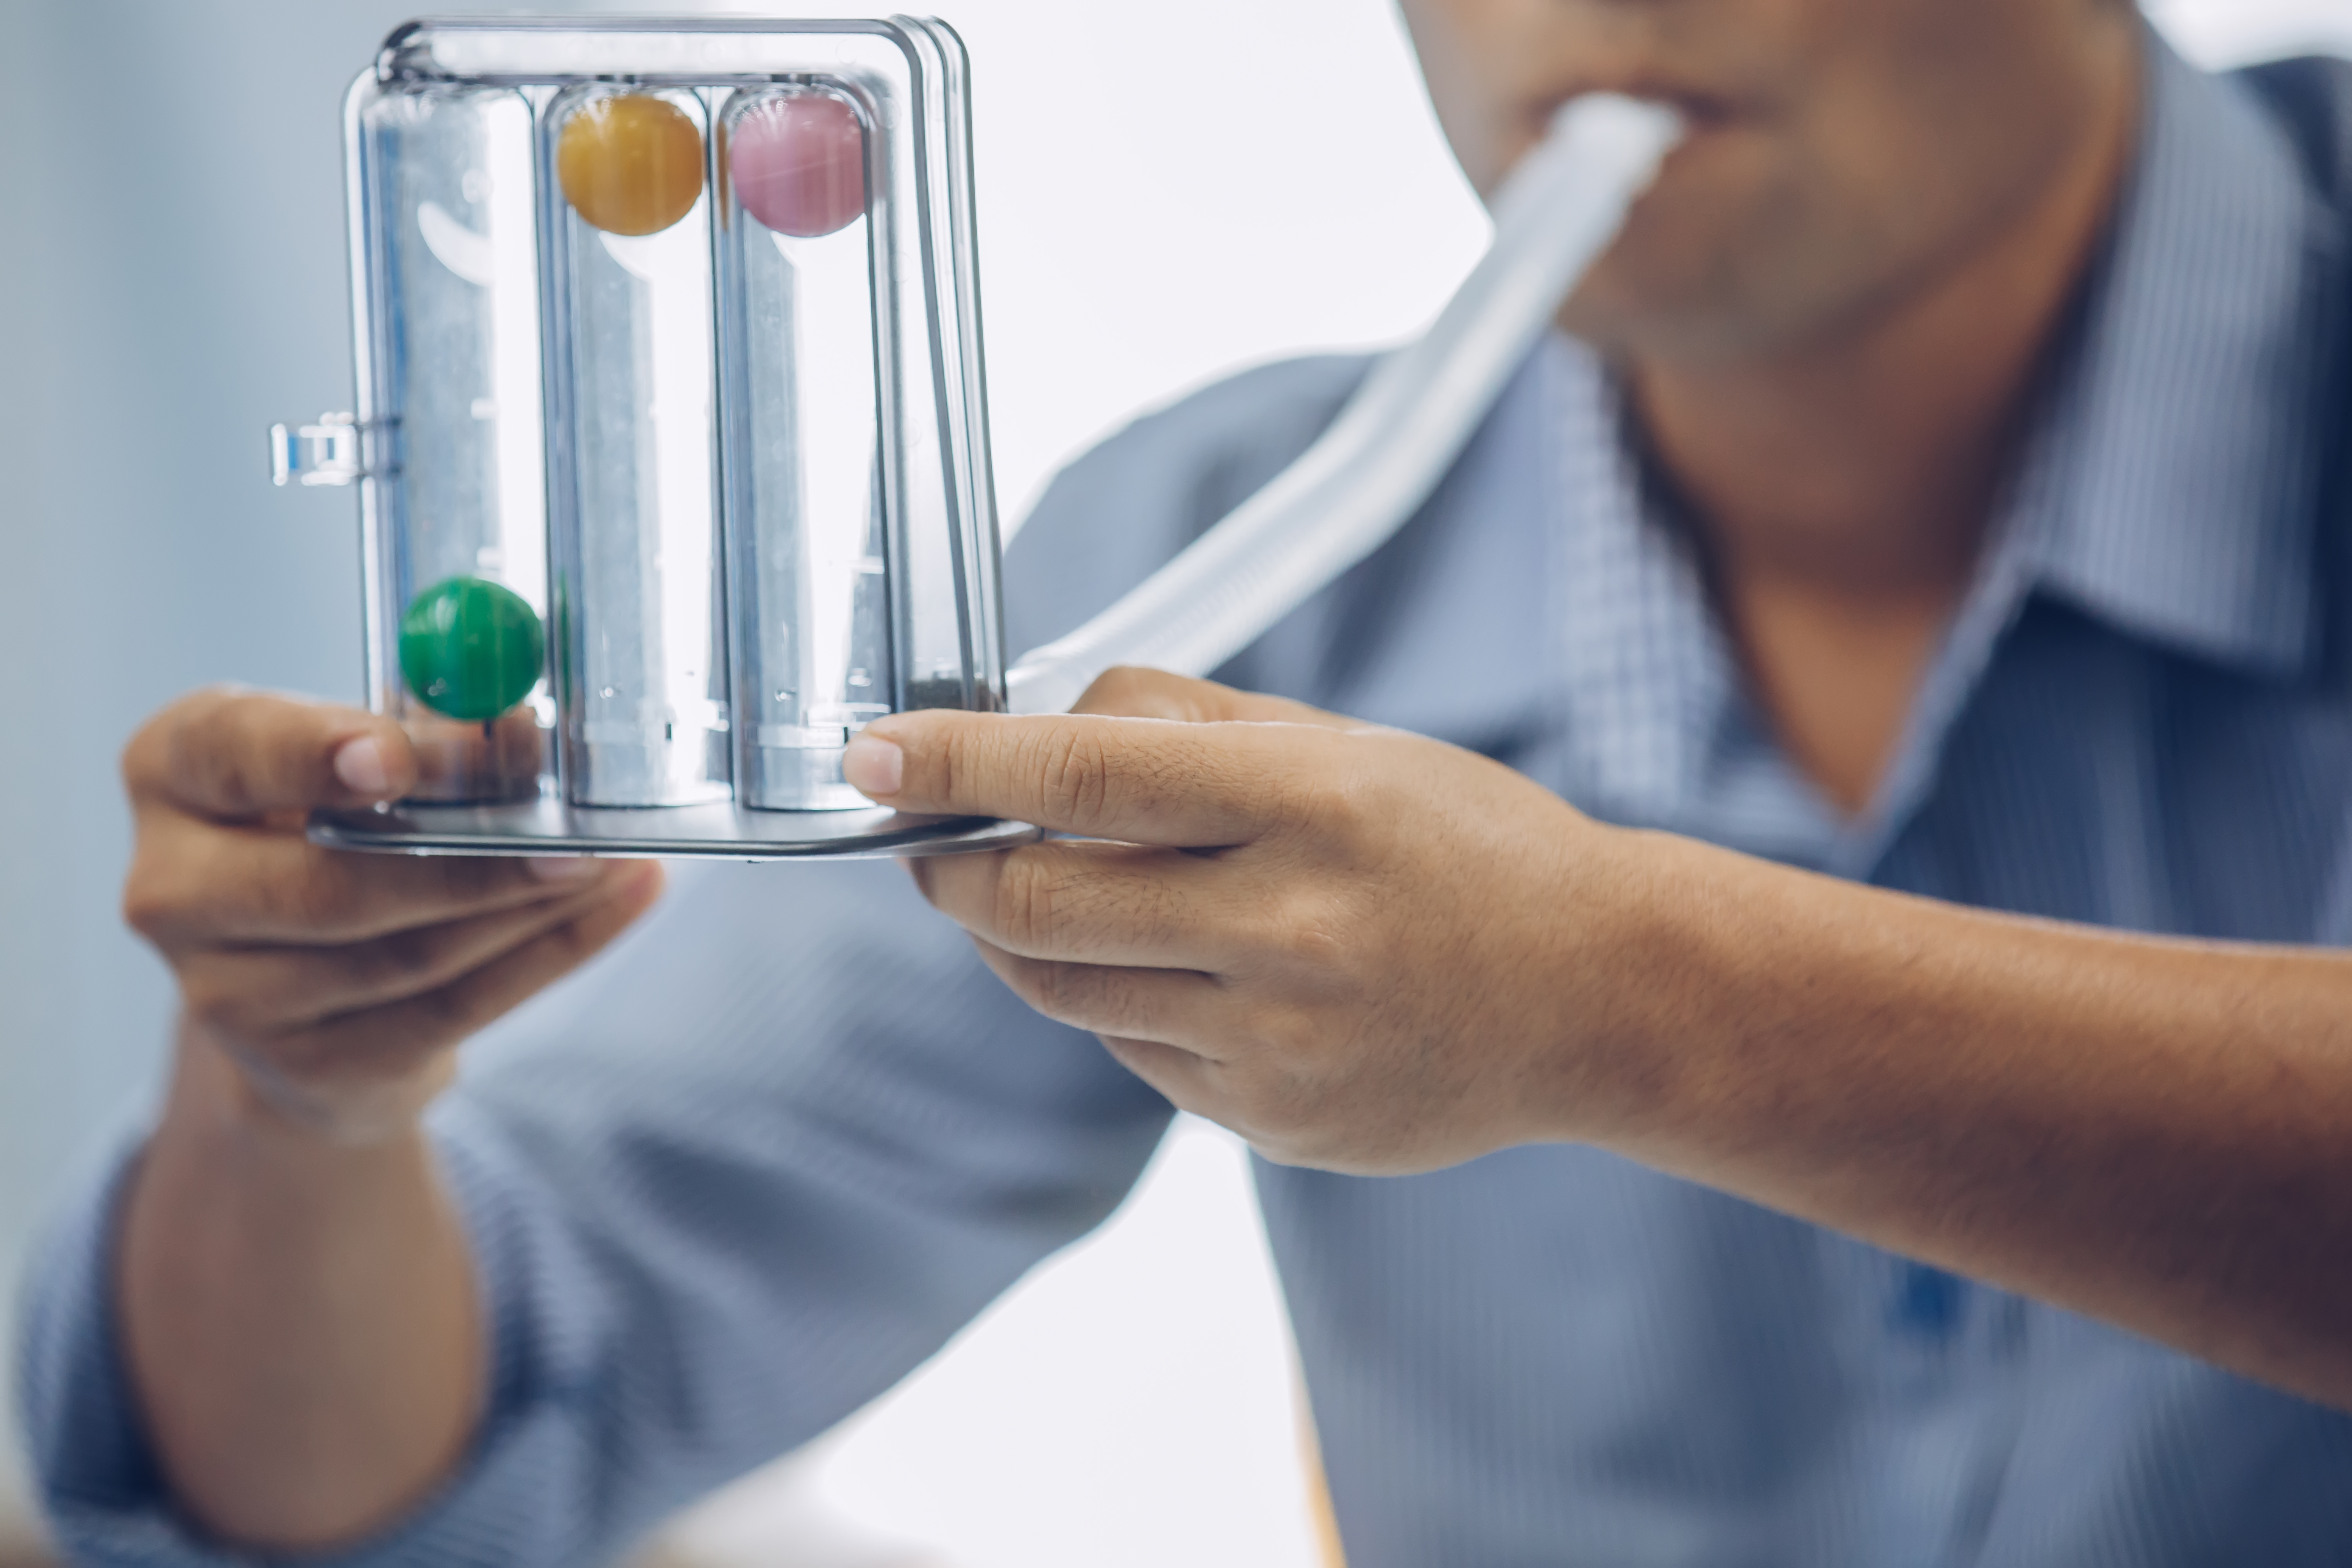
[[1344, 496]]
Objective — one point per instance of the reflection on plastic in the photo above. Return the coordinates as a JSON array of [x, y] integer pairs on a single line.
[[644, 711], [452, 430], [809, 577]]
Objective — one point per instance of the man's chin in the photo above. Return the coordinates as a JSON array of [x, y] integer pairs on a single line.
[[1637, 307], [1706, 275]]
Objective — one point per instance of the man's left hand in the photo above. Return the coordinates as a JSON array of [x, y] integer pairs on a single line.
[[1358, 948]]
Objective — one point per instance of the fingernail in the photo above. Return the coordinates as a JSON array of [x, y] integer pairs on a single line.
[[361, 766], [873, 765], [563, 867]]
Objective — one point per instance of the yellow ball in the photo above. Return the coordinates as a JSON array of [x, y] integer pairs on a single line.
[[630, 164]]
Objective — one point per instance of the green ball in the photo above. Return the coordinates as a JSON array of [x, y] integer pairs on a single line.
[[470, 648]]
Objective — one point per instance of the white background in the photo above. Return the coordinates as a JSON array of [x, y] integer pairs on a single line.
[[1167, 192]]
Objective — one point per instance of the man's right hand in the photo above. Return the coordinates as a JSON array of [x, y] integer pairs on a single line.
[[296, 1295], [338, 982]]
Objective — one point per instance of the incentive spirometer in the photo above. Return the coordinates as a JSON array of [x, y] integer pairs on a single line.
[[670, 433]]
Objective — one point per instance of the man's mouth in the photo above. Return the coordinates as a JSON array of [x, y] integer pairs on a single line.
[[1702, 109]]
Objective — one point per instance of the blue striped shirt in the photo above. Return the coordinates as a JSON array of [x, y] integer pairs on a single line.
[[768, 1155]]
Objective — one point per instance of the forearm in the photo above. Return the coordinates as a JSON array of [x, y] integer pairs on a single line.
[[299, 1317], [2156, 1132]]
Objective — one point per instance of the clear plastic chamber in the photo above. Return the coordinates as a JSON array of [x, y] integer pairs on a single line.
[[671, 421]]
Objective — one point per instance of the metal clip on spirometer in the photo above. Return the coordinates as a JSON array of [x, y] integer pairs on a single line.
[[326, 453]]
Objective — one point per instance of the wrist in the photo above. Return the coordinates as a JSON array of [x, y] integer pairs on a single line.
[[230, 1090], [1658, 940]]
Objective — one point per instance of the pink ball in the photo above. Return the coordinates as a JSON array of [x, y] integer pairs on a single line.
[[799, 164]]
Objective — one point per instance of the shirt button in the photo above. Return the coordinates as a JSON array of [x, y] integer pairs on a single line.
[[1927, 1302]]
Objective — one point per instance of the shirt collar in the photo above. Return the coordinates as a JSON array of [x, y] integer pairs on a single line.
[[1660, 733], [2173, 487]]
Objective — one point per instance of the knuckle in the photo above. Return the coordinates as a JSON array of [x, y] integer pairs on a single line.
[[446, 1013], [205, 750], [139, 763], [1346, 801], [538, 962], [1026, 977], [571, 942], [1341, 805], [952, 762], [1025, 908], [236, 753], [1128, 689], [1123, 680], [167, 892], [316, 896], [1312, 928], [1051, 984], [198, 710], [1066, 991], [150, 899], [1073, 772], [213, 1000], [394, 959], [1291, 1035], [466, 879]]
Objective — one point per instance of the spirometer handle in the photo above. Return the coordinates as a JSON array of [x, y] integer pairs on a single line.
[[1345, 495]]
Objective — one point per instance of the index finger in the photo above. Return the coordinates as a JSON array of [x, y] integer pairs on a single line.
[[226, 752], [1141, 781]]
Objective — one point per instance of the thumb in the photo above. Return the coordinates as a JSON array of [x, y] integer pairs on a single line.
[[231, 754]]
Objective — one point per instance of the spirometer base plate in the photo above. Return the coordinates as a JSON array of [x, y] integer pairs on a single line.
[[722, 830]]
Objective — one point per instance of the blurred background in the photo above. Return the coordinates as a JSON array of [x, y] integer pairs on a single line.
[[1163, 196]]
